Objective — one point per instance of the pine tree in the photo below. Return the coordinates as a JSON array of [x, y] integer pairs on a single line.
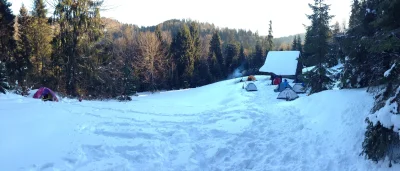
[[355, 14], [294, 44], [297, 46], [317, 46], [231, 57], [7, 42], [80, 27], [270, 37], [3, 78], [40, 37], [159, 33], [181, 49], [242, 59], [202, 75], [258, 56], [195, 60], [380, 53], [24, 48], [356, 68], [216, 59], [39, 9]]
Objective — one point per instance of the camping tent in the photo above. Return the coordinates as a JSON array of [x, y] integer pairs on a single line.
[[251, 87], [45, 92], [288, 94], [282, 63], [299, 88], [282, 87]]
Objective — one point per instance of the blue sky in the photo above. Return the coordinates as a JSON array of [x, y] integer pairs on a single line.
[[288, 16]]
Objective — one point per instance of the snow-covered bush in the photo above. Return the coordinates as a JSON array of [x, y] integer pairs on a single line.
[[382, 135], [380, 142]]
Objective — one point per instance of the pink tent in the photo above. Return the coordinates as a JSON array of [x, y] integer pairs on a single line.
[[45, 91]]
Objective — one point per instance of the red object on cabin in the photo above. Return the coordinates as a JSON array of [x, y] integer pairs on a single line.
[[277, 81]]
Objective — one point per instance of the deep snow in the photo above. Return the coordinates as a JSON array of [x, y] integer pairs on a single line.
[[215, 127]]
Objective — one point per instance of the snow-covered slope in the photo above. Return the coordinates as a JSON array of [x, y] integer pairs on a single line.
[[215, 127]]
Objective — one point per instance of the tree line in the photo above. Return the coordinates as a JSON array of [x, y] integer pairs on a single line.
[[78, 53]]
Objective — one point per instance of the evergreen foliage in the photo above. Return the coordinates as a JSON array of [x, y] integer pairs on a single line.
[[7, 41], [379, 142], [22, 63], [3, 78], [215, 58], [316, 47], [371, 45]]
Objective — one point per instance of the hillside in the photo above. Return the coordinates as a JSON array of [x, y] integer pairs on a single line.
[[214, 127], [282, 42], [246, 37]]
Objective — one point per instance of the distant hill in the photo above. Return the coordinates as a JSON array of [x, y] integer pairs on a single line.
[[286, 41], [245, 37]]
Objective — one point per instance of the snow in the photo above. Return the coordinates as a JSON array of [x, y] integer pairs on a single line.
[[338, 67], [388, 115], [214, 127], [281, 62], [307, 69], [387, 73]]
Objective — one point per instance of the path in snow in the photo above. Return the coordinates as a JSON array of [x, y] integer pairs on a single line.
[[216, 127]]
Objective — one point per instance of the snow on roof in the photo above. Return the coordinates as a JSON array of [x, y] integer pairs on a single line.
[[281, 62]]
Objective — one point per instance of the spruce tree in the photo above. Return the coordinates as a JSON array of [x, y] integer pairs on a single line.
[[231, 57], [40, 37], [195, 61], [3, 78], [380, 44], [317, 47], [181, 49], [294, 44], [24, 48], [158, 33], [7, 42], [39, 9], [242, 59], [258, 56], [80, 28], [202, 75], [270, 37], [216, 59], [355, 14], [357, 66], [297, 46]]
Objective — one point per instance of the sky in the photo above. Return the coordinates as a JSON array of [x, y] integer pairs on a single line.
[[288, 16]]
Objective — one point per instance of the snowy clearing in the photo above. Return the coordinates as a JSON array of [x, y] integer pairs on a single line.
[[215, 127]]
